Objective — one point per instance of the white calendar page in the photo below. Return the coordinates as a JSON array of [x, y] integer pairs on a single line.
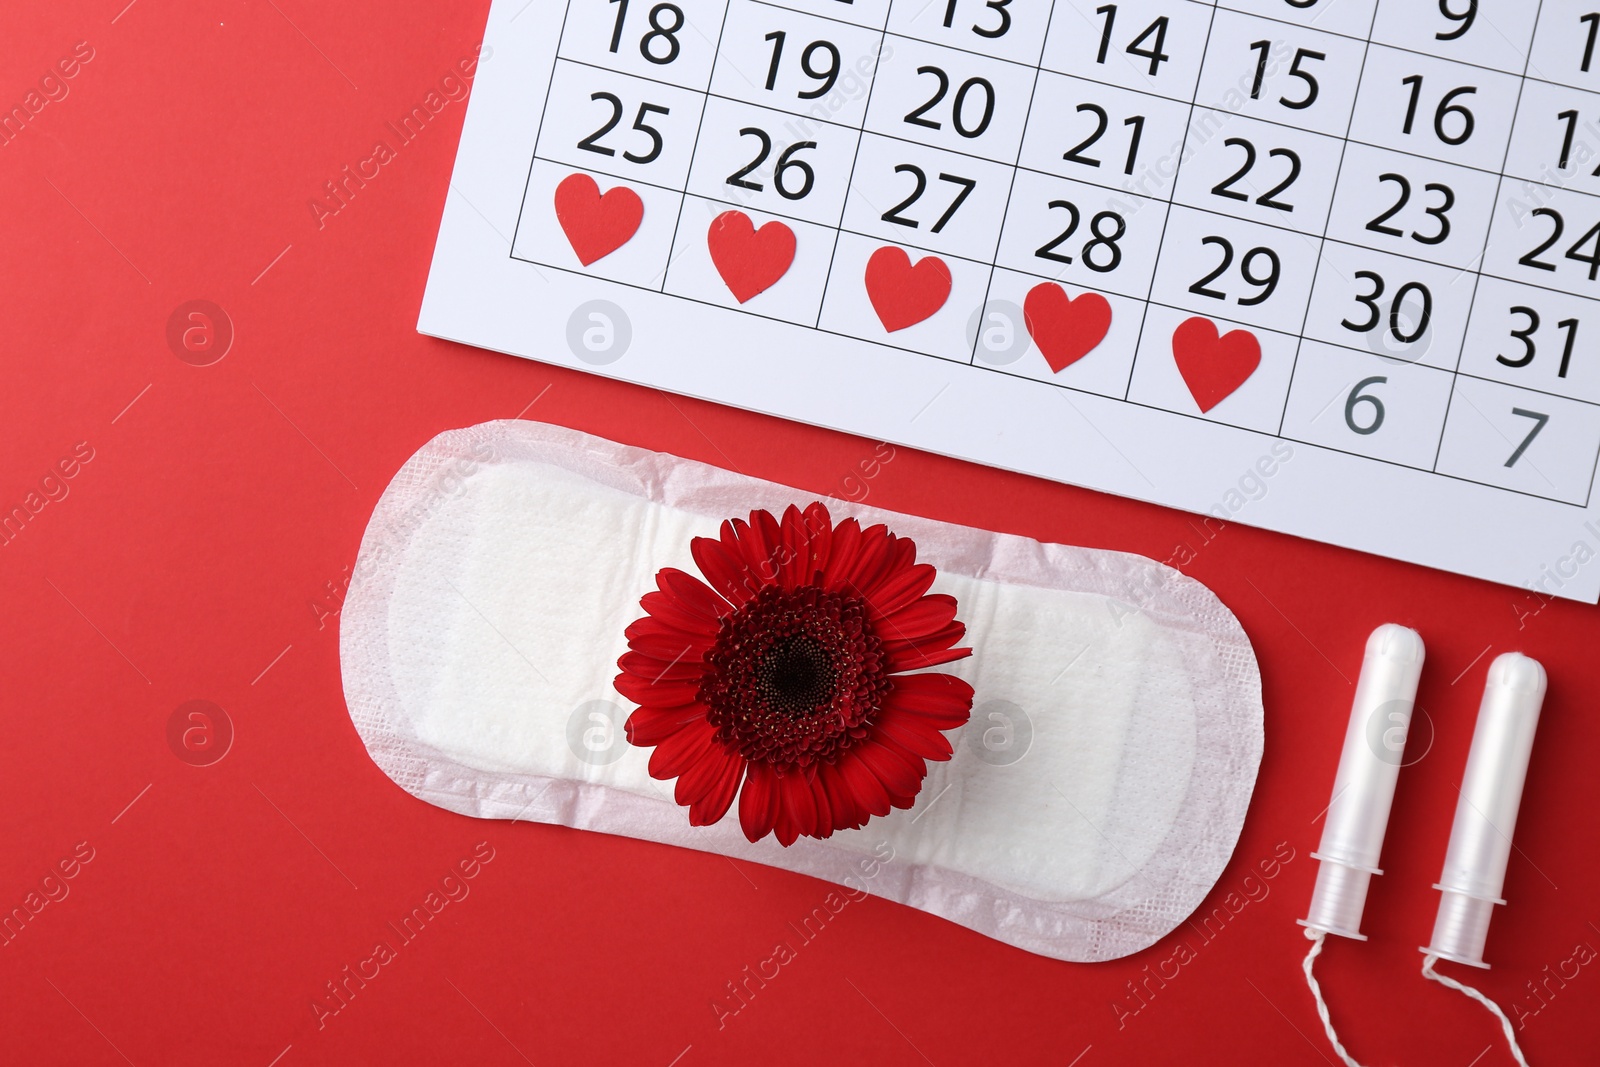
[[1329, 267]]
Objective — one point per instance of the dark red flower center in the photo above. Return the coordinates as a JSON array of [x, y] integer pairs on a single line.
[[795, 676]]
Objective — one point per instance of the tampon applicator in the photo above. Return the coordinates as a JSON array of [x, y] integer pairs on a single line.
[[1363, 788], [1486, 815], [1363, 791]]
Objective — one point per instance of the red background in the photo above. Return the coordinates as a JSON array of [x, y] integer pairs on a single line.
[[191, 554]]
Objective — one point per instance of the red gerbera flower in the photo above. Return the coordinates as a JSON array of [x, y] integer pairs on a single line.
[[786, 673]]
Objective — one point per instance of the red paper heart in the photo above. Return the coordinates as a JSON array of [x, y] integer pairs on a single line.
[[596, 225], [903, 295], [1064, 328], [1213, 367], [750, 260]]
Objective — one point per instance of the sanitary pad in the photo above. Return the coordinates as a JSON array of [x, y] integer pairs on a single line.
[[1093, 799]]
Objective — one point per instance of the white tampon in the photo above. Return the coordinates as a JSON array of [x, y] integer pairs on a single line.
[[1491, 791], [1486, 815], [1363, 789]]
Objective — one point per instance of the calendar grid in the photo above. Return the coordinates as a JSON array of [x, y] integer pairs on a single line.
[[1459, 62], [1156, 96], [1298, 25], [544, 108], [1177, 171], [1080, 76], [1265, 435], [861, 133], [1161, 214], [683, 204], [958, 48], [1594, 469], [1557, 84], [1368, 40], [1017, 167], [1327, 221], [1113, 188], [814, 14], [1483, 256], [1534, 182]]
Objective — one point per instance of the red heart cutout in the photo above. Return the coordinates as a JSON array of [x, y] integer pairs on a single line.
[[596, 225], [1065, 329], [903, 295], [1213, 367], [750, 260]]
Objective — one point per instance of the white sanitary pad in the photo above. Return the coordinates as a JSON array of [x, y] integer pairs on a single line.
[[1092, 801]]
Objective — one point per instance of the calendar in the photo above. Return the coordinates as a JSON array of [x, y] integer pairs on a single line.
[[1328, 267]]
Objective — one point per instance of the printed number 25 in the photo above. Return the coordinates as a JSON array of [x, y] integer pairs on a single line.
[[592, 143]]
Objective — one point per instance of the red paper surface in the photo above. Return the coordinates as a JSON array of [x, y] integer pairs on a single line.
[[201, 545]]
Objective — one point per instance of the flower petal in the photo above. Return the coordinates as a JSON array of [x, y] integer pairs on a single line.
[[846, 813], [716, 801], [900, 775], [906, 802], [942, 699], [823, 823], [794, 556], [660, 670], [751, 549], [797, 809], [699, 775], [901, 554], [766, 540], [819, 524], [913, 656], [916, 621], [843, 550], [912, 733], [733, 533], [647, 692], [680, 751], [650, 726], [909, 797], [724, 569], [669, 612], [758, 801], [692, 594], [708, 787], [865, 788], [668, 645], [871, 559], [901, 589]]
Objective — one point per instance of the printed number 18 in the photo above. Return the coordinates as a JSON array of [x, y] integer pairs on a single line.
[[649, 47]]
